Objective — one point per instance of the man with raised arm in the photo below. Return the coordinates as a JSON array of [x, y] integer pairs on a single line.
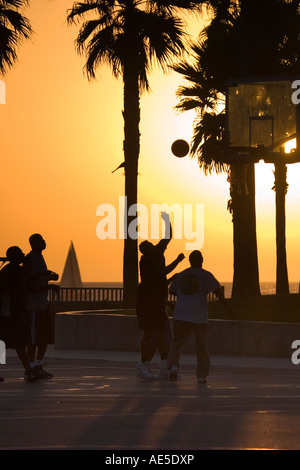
[[152, 294]]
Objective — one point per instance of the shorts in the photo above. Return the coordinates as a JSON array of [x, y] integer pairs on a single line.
[[41, 328]]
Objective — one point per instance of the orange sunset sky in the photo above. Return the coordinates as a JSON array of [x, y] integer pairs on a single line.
[[61, 137]]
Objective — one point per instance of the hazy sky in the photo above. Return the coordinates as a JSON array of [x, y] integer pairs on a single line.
[[61, 137]]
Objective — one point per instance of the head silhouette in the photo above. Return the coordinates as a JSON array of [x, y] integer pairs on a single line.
[[146, 247], [196, 259], [37, 242], [14, 254]]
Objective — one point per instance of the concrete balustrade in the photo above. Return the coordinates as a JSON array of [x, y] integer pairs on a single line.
[[117, 330]]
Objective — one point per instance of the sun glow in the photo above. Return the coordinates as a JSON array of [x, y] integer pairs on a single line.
[[290, 145]]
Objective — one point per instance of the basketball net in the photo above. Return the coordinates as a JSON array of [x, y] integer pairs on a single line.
[[237, 177]]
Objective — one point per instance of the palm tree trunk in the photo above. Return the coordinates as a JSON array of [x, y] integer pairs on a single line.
[[246, 275], [280, 187], [131, 116]]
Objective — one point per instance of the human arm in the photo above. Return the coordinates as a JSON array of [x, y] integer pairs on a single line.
[[171, 279], [169, 232], [219, 293], [38, 279], [173, 286], [39, 289], [52, 276], [175, 263]]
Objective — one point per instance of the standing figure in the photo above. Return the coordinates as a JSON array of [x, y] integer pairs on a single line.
[[152, 294], [191, 287], [14, 316], [41, 329]]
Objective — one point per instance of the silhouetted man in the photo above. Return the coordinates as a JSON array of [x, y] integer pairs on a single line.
[[191, 287], [37, 303], [13, 285], [152, 296]]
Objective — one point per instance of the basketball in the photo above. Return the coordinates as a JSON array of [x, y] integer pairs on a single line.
[[180, 148]]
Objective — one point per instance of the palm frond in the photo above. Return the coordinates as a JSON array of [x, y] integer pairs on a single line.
[[14, 27], [173, 5], [16, 21], [153, 34], [14, 3], [102, 49], [81, 9], [87, 29], [207, 142]]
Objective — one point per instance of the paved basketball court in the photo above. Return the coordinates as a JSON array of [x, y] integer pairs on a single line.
[[95, 401]]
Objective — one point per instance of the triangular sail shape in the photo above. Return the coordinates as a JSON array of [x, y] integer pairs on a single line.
[[71, 273]]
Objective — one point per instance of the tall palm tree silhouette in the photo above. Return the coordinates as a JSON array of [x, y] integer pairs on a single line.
[[213, 60], [14, 27], [130, 35]]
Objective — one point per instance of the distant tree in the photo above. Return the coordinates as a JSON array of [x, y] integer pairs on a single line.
[[130, 36], [243, 39], [14, 27]]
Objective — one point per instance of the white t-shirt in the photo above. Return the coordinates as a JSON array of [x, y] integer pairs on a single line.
[[192, 287]]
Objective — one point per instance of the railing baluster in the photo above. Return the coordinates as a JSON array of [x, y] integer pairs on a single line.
[[100, 294]]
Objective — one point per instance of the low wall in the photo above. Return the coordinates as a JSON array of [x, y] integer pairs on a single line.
[[76, 305], [117, 330]]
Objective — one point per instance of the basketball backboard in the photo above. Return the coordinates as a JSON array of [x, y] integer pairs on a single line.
[[262, 115]]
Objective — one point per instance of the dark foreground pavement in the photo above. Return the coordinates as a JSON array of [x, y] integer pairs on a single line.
[[98, 403]]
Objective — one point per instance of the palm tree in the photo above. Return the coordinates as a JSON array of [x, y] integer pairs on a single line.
[[14, 27], [129, 35], [214, 60], [275, 40], [280, 187], [243, 39]]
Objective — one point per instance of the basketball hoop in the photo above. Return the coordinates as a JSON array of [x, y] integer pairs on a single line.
[[237, 177], [260, 118]]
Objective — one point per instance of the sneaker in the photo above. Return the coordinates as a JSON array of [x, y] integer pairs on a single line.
[[173, 373], [201, 380], [144, 371], [41, 373], [31, 375]]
